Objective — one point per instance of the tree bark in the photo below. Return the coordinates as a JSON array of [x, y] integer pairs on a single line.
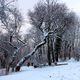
[[49, 52], [20, 63], [29, 55], [57, 47]]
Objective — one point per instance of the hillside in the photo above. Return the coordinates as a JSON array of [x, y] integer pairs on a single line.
[[61, 72]]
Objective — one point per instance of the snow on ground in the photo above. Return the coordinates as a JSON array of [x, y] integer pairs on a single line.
[[62, 72]]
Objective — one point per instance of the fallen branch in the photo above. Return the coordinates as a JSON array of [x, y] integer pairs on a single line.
[[62, 64]]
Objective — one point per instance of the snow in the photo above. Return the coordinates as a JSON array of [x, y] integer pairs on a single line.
[[61, 72]]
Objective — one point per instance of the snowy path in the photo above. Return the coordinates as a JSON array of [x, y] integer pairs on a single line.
[[64, 72]]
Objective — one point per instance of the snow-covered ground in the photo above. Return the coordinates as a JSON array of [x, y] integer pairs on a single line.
[[62, 72]]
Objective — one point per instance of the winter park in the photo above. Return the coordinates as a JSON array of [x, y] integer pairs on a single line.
[[39, 40]]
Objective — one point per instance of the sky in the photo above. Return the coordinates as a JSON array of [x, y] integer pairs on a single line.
[[73, 5], [25, 5]]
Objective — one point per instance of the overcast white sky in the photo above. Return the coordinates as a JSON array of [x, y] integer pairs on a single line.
[[25, 5]]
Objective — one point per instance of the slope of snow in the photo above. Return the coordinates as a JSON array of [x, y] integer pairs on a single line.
[[62, 72]]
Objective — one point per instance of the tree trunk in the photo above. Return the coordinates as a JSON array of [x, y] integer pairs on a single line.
[[57, 47], [40, 54], [49, 52], [8, 64], [52, 52], [20, 63], [11, 38]]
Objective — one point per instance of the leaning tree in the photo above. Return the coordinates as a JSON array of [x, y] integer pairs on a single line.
[[54, 18], [48, 16]]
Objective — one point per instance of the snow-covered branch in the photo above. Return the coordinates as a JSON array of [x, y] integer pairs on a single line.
[[20, 63], [30, 54]]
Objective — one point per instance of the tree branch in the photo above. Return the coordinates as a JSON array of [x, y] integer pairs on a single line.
[[30, 54], [9, 43], [4, 49], [20, 63]]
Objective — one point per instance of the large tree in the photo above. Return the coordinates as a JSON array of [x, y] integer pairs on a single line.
[[51, 18], [11, 21], [51, 15]]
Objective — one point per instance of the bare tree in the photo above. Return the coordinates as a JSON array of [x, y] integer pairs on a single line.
[[48, 16], [11, 21]]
